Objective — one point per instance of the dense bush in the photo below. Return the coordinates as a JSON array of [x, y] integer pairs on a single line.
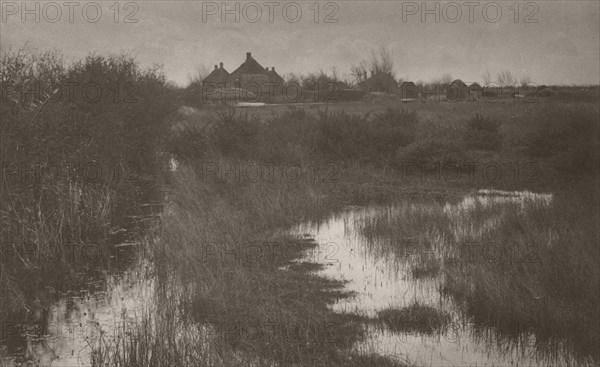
[[568, 136], [101, 108], [234, 135], [296, 135], [74, 130], [483, 133], [374, 140], [288, 137], [431, 150], [192, 94], [188, 143], [545, 92], [544, 142], [393, 128]]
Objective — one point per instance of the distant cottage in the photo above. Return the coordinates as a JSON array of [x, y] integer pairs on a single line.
[[217, 76], [250, 75], [409, 90], [380, 82], [475, 91], [457, 91]]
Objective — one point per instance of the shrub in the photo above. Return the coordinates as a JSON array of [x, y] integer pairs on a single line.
[[234, 134], [568, 136], [431, 150], [483, 133], [288, 137], [544, 142], [342, 136], [546, 92], [192, 95], [188, 143], [355, 137], [393, 128], [123, 123]]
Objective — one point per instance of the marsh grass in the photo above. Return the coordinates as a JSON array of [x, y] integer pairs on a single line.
[[425, 267], [255, 310], [511, 264], [210, 291], [414, 318], [65, 166]]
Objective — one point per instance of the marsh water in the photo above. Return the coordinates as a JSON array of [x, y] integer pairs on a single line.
[[379, 277], [63, 325]]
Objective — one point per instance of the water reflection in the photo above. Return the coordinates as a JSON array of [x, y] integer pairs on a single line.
[[64, 333], [62, 325], [382, 276]]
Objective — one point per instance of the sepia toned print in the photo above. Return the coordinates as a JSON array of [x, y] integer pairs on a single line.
[[299, 183]]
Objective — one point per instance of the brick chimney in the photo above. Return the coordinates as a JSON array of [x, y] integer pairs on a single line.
[[272, 68], [221, 65], [248, 55]]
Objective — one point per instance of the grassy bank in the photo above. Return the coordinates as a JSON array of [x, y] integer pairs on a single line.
[[519, 265], [75, 141], [221, 294], [235, 191]]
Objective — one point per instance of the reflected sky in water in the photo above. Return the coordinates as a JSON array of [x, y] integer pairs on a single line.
[[382, 279]]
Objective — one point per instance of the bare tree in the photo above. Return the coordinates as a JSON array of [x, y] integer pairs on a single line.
[[359, 72], [382, 62], [291, 78], [487, 77], [446, 79], [334, 73], [200, 73], [505, 79], [525, 80]]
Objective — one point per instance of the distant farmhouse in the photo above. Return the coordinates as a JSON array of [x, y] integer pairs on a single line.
[[409, 90], [218, 76], [457, 91], [380, 82], [250, 75], [475, 92]]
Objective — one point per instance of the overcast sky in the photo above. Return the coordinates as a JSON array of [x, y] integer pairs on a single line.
[[562, 47]]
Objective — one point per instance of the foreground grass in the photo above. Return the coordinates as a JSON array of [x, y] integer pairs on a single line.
[[244, 306], [212, 289], [518, 266], [414, 318], [214, 220]]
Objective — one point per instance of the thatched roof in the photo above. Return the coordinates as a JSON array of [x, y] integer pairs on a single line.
[[380, 82], [274, 77], [249, 75], [475, 87], [217, 76], [250, 66], [457, 90], [459, 83]]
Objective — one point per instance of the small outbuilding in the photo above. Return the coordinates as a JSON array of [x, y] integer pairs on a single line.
[[409, 90], [475, 92], [380, 82], [457, 91]]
